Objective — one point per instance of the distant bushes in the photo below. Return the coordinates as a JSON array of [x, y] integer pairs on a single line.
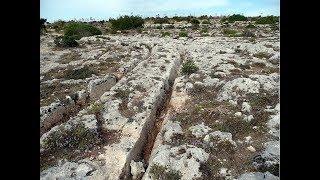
[[42, 25], [189, 67], [234, 17], [58, 25], [79, 30], [75, 31], [159, 20], [250, 26], [194, 21], [127, 22], [267, 20]]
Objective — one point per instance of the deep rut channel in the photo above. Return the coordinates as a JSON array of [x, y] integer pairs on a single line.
[[152, 128]]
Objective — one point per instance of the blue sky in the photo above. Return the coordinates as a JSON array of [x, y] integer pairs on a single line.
[[104, 9]]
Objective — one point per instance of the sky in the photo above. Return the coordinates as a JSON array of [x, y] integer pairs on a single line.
[[53, 10]]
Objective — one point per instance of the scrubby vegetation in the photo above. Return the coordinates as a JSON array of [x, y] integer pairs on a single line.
[[247, 33], [79, 30], [183, 34], [127, 22], [77, 137], [250, 26], [229, 32], [267, 20], [189, 67], [159, 20], [234, 17], [81, 73], [164, 34], [42, 25], [262, 55], [58, 25], [66, 41]]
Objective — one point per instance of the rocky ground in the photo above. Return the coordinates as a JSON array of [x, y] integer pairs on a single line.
[[119, 107]]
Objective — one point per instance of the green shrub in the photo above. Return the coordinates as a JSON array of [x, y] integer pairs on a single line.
[[159, 27], [229, 32], [163, 34], [189, 67], [58, 25], [183, 34], [79, 30], [237, 17], [250, 26], [42, 25], [267, 20], [127, 22], [195, 21], [96, 108], [66, 41], [81, 73]]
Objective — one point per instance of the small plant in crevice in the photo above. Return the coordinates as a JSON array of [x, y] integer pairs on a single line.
[[262, 55], [161, 172], [183, 34], [96, 108], [189, 67], [164, 34]]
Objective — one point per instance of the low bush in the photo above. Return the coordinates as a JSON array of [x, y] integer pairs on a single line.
[[237, 17], [159, 20], [229, 32], [164, 34], [66, 41], [195, 21], [79, 30], [183, 34], [127, 22], [250, 26], [77, 137], [58, 25], [189, 67], [42, 25], [267, 20]]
